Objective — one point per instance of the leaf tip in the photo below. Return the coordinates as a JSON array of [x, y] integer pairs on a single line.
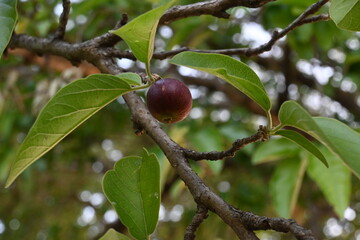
[[9, 181], [145, 151], [324, 161]]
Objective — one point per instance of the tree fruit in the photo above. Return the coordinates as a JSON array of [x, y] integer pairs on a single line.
[[169, 100]]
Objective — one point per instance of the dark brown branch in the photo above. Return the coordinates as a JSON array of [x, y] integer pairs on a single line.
[[64, 17], [276, 35], [316, 18], [199, 217], [296, 23], [261, 135], [201, 193], [243, 223], [215, 8], [255, 222], [157, 55]]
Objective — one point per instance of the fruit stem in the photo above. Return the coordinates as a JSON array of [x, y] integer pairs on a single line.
[[268, 115], [148, 72], [142, 87]]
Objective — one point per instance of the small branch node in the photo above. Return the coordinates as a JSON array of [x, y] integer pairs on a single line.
[[264, 133], [138, 129]]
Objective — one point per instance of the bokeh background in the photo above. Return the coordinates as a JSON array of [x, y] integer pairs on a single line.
[[60, 196]]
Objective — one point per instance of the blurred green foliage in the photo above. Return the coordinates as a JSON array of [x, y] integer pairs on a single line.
[[58, 196]]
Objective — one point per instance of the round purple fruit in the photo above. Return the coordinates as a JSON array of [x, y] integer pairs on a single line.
[[169, 100]]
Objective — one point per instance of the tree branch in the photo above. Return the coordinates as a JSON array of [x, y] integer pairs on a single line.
[[255, 222], [215, 8], [261, 135], [201, 193], [64, 17], [199, 217], [304, 18], [243, 223]]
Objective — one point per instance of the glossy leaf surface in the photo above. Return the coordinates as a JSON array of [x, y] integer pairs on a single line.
[[345, 13], [338, 137], [139, 34], [342, 140], [273, 150], [71, 106], [8, 16], [111, 234], [334, 182], [131, 78], [304, 143], [292, 114], [229, 69], [285, 185], [133, 188]]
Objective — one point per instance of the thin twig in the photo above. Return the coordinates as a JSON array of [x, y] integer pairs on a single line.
[[255, 222], [276, 35], [296, 23], [261, 135], [64, 17], [243, 223], [199, 217], [316, 18], [216, 8]]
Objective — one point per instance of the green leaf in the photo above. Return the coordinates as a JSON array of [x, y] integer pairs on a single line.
[[139, 34], [71, 106], [334, 182], [285, 185], [292, 114], [229, 69], [345, 14], [339, 138], [131, 78], [303, 142], [273, 150], [8, 17], [111, 234], [133, 188], [342, 140]]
